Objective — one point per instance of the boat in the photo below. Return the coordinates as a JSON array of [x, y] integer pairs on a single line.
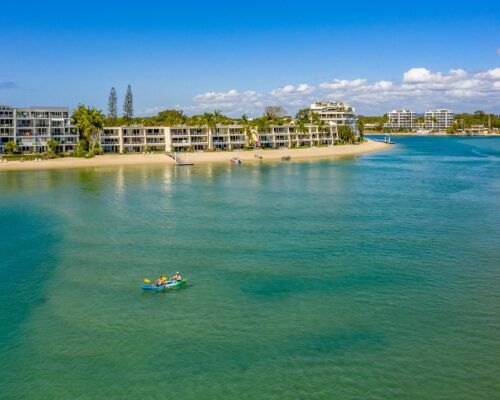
[[387, 140], [286, 158], [258, 156], [236, 160], [167, 285]]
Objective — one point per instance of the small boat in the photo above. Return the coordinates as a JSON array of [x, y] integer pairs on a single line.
[[286, 158], [387, 140], [236, 160], [258, 156], [167, 285]]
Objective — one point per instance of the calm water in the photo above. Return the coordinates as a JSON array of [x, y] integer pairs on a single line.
[[376, 277]]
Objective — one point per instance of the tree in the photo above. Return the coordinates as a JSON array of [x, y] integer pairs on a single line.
[[10, 146], [246, 128], [90, 122], [112, 104], [210, 120], [304, 114], [275, 112], [128, 104], [52, 145], [170, 118], [346, 135]]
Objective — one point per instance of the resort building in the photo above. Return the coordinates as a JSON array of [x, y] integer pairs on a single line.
[[401, 120], [32, 128], [134, 139], [438, 120], [137, 138], [337, 113]]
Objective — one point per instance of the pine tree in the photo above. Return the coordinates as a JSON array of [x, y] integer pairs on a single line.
[[112, 104], [128, 105]]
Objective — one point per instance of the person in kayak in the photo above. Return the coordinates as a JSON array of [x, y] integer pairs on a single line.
[[177, 277], [159, 282]]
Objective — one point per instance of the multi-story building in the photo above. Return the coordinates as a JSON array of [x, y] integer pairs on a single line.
[[401, 119], [438, 120], [134, 139], [32, 128], [290, 135], [337, 113]]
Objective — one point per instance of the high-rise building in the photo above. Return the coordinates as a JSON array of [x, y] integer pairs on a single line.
[[336, 113], [401, 119], [439, 119]]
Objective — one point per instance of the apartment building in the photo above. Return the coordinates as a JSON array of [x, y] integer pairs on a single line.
[[438, 120], [31, 128], [290, 135], [137, 138], [337, 113], [401, 119]]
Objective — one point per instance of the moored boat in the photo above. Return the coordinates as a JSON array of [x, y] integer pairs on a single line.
[[236, 160]]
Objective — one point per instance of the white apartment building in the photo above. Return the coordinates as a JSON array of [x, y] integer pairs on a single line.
[[337, 113], [136, 139], [438, 120], [31, 128], [401, 119]]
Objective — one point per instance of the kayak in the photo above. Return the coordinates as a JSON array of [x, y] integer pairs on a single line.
[[168, 285]]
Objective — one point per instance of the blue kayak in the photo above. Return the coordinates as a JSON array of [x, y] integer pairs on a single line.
[[168, 285]]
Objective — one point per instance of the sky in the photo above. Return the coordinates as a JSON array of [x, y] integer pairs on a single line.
[[239, 57]]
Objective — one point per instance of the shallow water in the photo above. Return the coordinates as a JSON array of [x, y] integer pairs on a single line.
[[372, 277]]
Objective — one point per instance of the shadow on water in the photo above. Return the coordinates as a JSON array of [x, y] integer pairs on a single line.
[[26, 266]]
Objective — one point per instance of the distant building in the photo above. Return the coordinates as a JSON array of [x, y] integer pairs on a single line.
[[401, 119], [336, 113], [31, 128], [371, 126], [438, 120]]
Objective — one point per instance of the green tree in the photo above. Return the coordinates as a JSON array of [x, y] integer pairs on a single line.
[[10, 146], [90, 122], [346, 135], [210, 120], [128, 104], [305, 114], [112, 104], [302, 127], [246, 128], [53, 146], [170, 118]]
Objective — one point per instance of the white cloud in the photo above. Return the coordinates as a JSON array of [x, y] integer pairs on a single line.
[[419, 89], [420, 75], [493, 74], [305, 88], [342, 84]]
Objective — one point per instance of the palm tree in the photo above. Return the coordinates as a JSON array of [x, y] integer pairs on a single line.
[[10, 146], [246, 128], [90, 122], [210, 122], [322, 125], [302, 126]]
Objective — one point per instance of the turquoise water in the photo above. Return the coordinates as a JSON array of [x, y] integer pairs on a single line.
[[375, 277]]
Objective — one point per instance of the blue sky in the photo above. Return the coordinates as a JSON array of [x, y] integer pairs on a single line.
[[240, 57]]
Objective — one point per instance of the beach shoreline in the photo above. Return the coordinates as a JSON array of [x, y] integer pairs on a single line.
[[110, 160]]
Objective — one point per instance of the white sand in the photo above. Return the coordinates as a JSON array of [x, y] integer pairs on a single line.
[[201, 157]]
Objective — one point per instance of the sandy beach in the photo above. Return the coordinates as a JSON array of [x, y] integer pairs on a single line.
[[110, 160]]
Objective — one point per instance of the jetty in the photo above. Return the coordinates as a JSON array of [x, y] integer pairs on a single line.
[[178, 161]]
